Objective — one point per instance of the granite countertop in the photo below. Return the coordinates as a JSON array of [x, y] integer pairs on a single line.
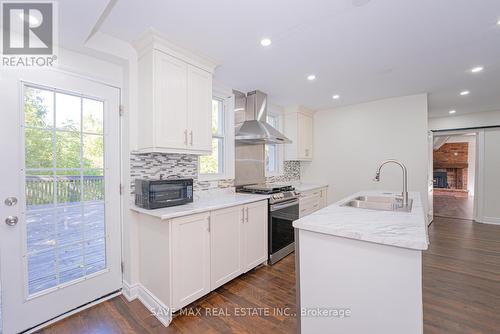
[[401, 229], [203, 201]]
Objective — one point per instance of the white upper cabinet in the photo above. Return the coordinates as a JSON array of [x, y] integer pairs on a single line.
[[170, 82], [175, 99], [299, 128], [199, 120]]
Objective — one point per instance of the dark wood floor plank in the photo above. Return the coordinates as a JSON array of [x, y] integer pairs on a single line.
[[461, 293]]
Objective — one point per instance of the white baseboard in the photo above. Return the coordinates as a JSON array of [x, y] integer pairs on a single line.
[[491, 220], [130, 291], [153, 304]]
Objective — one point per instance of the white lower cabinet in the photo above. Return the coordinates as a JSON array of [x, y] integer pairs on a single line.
[[312, 200], [238, 241], [226, 241], [255, 235], [190, 258], [183, 259]]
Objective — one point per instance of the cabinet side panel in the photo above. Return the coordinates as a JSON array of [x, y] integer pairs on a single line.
[[145, 119], [154, 257]]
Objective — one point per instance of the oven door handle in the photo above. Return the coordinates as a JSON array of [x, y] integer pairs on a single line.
[[276, 207]]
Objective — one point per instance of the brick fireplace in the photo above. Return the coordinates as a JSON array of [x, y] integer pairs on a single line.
[[450, 168]]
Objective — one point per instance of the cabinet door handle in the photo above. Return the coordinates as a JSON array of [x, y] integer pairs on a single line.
[[191, 137], [247, 214], [242, 215], [185, 137], [307, 152]]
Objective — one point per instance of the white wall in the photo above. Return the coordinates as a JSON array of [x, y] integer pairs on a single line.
[[127, 55], [477, 119], [350, 142]]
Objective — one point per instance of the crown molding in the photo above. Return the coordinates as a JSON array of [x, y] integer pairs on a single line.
[[153, 40]]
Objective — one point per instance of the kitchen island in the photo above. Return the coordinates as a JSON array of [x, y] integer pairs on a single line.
[[360, 270]]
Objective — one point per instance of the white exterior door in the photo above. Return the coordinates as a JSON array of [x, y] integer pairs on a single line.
[[60, 243]]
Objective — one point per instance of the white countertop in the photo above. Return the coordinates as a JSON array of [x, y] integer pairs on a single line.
[[300, 187], [203, 201], [401, 229]]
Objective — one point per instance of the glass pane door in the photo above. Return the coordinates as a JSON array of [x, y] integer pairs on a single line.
[[64, 183]]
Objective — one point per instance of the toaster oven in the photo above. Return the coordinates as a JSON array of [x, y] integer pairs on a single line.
[[154, 194]]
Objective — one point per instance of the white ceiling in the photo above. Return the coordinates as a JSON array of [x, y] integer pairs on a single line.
[[363, 50]]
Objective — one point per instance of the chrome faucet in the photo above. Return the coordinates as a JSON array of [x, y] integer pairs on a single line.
[[405, 177]]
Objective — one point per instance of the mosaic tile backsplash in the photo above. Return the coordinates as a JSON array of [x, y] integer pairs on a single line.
[[291, 173], [154, 165]]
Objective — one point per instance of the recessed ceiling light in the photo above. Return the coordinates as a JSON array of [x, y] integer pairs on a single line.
[[465, 92], [265, 42], [311, 77], [498, 22], [336, 97], [452, 111], [477, 69]]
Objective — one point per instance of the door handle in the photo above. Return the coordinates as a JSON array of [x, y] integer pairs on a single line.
[[10, 201], [191, 137], [11, 220]]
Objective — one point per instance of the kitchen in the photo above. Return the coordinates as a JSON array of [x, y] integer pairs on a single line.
[[185, 169]]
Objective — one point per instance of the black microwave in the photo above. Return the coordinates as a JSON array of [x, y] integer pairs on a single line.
[[154, 194]]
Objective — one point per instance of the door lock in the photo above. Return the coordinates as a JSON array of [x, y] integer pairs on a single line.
[[11, 220], [10, 201]]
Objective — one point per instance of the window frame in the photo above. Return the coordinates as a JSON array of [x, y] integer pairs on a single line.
[[279, 153], [226, 160]]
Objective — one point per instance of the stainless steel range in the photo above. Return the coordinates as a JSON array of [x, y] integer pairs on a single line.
[[251, 133], [283, 210]]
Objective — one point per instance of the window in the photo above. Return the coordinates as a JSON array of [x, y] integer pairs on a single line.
[[213, 165], [64, 159], [272, 150]]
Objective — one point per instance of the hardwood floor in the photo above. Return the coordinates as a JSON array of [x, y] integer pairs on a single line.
[[461, 288], [461, 278], [262, 289], [453, 206]]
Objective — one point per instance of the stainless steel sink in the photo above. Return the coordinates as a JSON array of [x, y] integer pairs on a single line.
[[383, 203], [379, 199]]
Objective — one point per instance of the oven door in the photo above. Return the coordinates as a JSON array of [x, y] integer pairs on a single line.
[[281, 236]]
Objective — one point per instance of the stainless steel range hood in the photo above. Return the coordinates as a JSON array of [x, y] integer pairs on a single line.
[[255, 129]]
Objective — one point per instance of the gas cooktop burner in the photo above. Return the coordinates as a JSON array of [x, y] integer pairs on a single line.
[[278, 192], [266, 188]]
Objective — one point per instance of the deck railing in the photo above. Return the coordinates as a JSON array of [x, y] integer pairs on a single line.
[[63, 189]]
